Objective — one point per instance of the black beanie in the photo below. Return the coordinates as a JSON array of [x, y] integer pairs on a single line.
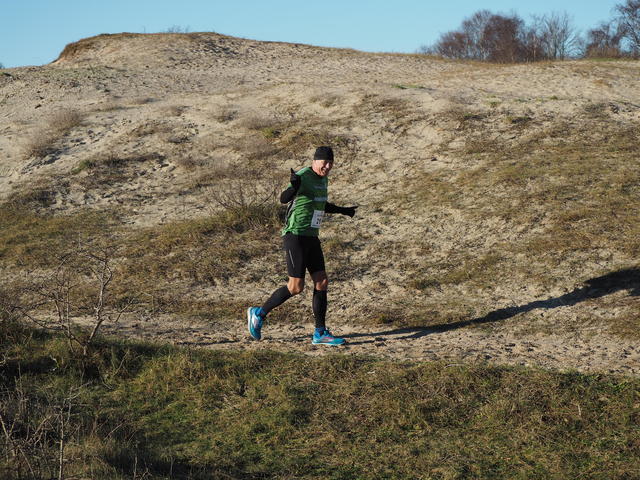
[[323, 153]]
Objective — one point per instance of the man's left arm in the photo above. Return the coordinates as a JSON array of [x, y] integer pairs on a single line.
[[331, 208]]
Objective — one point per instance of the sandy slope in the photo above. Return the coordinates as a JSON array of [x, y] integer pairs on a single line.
[[190, 99]]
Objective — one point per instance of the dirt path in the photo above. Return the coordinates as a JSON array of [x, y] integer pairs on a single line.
[[465, 345]]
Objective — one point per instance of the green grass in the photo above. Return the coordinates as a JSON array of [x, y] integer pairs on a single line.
[[177, 413]]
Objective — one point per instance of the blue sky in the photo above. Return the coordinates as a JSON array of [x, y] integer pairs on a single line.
[[34, 32]]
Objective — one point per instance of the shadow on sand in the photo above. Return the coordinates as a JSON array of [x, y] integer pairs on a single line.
[[628, 279]]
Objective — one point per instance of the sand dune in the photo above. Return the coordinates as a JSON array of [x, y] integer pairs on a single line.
[[178, 109]]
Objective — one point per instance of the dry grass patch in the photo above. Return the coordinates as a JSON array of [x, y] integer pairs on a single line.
[[203, 251], [397, 113], [465, 120], [190, 162], [110, 168], [327, 100], [302, 140], [597, 110], [39, 195], [176, 110], [152, 127], [43, 143], [255, 149], [258, 122], [28, 239], [143, 100], [66, 120], [226, 114]]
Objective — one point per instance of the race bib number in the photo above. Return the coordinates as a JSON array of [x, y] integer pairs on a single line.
[[316, 221]]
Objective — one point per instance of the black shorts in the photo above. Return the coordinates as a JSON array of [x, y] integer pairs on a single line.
[[303, 253]]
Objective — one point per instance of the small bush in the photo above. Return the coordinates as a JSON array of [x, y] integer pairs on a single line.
[[244, 193], [226, 115], [41, 145], [86, 164], [176, 110], [260, 122], [596, 110], [150, 128], [60, 124], [66, 120], [143, 100], [327, 100]]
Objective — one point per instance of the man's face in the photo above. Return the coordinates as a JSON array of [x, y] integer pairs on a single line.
[[322, 167]]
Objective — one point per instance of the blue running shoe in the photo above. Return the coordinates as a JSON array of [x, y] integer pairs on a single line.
[[325, 338], [254, 322]]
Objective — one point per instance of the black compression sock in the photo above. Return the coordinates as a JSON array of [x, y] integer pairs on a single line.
[[278, 297], [319, 307]]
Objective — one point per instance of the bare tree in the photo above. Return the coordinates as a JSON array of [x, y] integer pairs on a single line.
[[474, 28], [629, 24], [604, 41], [502, 39], [559, 37], [77, 288], [455, 45], [177, 29], [533, 41], [484, 36], [36, 432]]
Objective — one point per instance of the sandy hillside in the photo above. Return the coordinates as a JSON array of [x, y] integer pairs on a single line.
[[497, 214]]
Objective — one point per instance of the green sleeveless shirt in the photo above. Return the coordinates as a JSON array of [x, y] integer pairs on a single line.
[[305, 213]]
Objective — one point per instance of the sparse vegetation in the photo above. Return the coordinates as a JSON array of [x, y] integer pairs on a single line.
[[406, 87], [109, 168], [260, 122], [177, 29], [33, 240], [65, 120], [327, 100], [84, 165], [226, 114], [176, 110], [565, 189], [143, 100], [43, 143]]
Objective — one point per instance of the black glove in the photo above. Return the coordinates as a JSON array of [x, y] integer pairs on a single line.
[[351, 211], [296, 180]]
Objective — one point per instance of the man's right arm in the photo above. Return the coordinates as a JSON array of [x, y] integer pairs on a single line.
[[287, 195], [290, 193]]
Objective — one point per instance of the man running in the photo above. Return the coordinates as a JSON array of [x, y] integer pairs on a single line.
[[308, 194]]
